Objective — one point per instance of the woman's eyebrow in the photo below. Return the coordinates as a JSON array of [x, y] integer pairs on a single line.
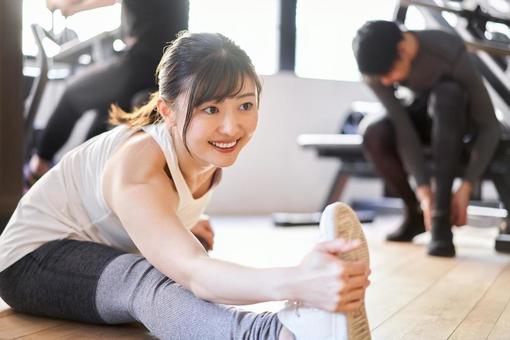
[[248, 94]]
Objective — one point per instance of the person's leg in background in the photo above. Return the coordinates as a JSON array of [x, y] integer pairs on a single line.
[[90, 282], [380, 147], [95, 88], [99, 123], [502, 184], [448, 109], [501, 178]]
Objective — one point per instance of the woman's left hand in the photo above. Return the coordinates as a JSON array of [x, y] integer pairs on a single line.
[[204, 232]]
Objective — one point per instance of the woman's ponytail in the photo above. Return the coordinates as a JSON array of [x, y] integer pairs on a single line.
[[141, 116]]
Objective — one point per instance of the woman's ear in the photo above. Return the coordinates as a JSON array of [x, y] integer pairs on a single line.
[[166, 111]]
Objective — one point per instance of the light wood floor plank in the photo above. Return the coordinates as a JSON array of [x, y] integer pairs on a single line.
[[481, 320], [394, 291], [72, 331], [14, 325], [387, 257], [501, 330], [437, 312]]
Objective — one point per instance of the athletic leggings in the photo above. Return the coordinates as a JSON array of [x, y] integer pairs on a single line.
[[440, 122], [96, 88], [94, 283]]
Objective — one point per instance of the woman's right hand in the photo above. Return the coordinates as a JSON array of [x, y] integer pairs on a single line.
[[326, 282]]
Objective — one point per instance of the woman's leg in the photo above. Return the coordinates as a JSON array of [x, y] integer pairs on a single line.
[[58, 279], [170, 311], [90, 282], [380, 147], [448, 108]]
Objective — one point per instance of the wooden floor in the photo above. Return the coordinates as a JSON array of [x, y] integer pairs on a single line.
[[412, 296]]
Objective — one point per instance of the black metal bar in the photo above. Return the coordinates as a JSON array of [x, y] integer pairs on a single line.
[[288, 35], [11, 108]]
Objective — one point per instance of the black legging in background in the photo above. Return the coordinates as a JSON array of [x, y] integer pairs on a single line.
[[97, 87], [441, 122], [147, 26]]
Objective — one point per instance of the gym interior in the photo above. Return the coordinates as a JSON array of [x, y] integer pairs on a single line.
[[307, 153]]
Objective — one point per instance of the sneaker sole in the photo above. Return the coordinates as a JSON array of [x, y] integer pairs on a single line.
[[340, 221]]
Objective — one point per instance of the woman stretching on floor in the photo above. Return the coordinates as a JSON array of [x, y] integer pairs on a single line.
[[104, 236]]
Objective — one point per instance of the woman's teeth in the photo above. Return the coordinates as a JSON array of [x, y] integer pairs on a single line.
[[224, 145]]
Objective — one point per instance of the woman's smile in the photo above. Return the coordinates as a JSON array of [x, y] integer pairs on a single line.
[[225, 146]]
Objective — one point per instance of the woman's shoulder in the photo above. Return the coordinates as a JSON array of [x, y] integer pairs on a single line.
[[138, 157], [138, 164]]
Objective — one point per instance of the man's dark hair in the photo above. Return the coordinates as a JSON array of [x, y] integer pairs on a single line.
[[375, 46]]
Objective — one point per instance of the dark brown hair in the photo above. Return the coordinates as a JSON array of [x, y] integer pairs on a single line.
[[375, 46], [205, 66]]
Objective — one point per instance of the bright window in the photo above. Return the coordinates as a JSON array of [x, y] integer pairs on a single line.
[[324, 35], [253, 25], [35, 11]]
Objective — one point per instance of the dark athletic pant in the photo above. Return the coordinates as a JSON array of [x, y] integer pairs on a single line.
[[441, 123], [96, 88], [91, 282]]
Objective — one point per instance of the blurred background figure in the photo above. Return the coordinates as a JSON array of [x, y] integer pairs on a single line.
[[125, 79]]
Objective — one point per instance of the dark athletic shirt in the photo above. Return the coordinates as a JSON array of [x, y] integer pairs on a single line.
[[441, 55], [153, 22]]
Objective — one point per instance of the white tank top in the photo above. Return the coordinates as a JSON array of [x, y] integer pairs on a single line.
[[68, 203]]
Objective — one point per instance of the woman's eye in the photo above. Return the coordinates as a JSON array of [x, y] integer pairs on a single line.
[[246, 106], [211, 109]]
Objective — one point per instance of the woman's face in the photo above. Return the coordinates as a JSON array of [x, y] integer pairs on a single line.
[[218, 130]]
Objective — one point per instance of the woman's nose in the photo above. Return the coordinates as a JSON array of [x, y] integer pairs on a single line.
[[229, 124]]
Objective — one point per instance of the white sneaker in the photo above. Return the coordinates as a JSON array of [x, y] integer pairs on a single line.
[[338, 221], [313, 324]]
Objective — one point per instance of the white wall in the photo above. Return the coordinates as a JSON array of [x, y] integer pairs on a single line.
[[273, 173]]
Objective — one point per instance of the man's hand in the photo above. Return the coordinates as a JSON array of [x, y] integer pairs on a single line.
[[70, 7], [460, 202], [426, 198], [204, 232]]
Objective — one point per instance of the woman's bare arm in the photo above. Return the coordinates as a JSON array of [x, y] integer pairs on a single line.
[[139, 192], [137, 189]]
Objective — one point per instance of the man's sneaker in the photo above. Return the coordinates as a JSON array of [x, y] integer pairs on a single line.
[[338, 221], [441, 240], [411, 226]]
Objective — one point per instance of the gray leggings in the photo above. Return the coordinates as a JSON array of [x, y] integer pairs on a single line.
[[90, 282]]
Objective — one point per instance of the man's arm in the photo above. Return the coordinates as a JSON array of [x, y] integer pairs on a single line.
[[487, 129], [481, 111], [70, 7]]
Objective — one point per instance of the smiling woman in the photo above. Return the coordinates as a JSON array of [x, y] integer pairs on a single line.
[[227, 125], [110, 234]]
